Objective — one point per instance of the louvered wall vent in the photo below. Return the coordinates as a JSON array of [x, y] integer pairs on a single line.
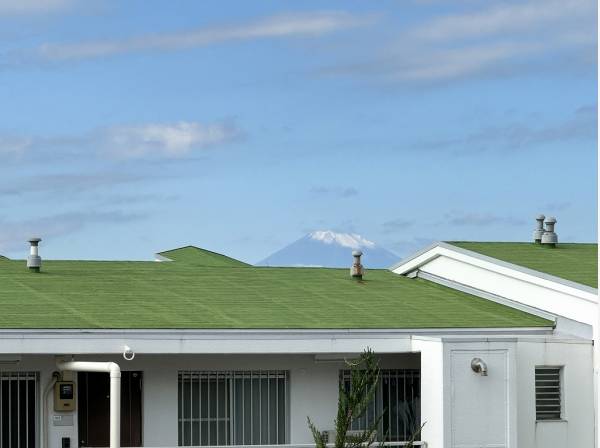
[[547, 393]]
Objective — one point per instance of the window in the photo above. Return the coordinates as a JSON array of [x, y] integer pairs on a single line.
[[398, 398], [548, 396], [233, 408], [18, 411]]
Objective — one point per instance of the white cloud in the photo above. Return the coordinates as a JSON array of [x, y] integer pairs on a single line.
[[168, 140], [23, 7], [291, 25], [451, 64], [507, 18], [148, 140], [499, 40]]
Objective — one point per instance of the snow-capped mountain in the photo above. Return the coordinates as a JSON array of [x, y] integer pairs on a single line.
[[331, 249]]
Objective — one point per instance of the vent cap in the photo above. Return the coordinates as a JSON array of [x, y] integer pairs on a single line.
[[550, 237], [539, 229], [34, 261], [356, 271]]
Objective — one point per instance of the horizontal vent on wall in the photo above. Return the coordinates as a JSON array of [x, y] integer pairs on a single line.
[[547, 393]]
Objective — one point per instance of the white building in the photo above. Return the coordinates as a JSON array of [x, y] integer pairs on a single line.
[[229, 354]]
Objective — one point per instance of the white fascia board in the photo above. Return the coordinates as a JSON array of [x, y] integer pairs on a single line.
[[544, 280], [230, 342]]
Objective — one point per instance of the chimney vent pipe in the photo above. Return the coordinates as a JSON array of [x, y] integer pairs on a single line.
[[34, 261], [550, 238], [357, 269], [539, 230]]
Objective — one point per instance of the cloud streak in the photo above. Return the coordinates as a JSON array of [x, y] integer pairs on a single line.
[[14, 234], [310, 24], [497, 41], [142, 141], [528, 17], [581, 126], [462, 219], [397, 225], [339, 192], [29, 7], [66, 183]]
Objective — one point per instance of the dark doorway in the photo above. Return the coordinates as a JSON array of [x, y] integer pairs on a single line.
[[94, 412]]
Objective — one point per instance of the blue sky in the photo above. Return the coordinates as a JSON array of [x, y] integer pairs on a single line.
[[132, 127]]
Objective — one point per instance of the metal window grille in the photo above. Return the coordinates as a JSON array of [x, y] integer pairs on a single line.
[[233, 408], [18, 409], [397, 399], [548, 393]]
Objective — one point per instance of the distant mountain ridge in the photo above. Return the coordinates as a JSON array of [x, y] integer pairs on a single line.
[[326, 248]]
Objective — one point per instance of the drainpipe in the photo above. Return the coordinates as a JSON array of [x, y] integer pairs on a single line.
[[51, 383], [115, 391]]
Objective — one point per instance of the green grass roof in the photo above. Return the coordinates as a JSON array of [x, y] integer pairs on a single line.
[[577, 262], [201, 257], [95, 294]]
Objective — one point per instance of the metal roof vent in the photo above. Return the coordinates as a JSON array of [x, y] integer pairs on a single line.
[[539, 231], [356, 271], [34, 261], [550, 238]]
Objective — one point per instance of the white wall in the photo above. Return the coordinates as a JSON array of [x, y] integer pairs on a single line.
[[432, 389], [577, 427], [476, 407]]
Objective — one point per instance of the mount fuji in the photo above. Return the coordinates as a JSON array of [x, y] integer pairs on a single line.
[[325, 248]]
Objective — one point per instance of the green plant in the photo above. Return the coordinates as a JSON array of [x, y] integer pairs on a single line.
[[353, 401], [410, 443]]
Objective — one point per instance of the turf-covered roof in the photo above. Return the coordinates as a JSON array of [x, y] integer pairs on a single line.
[[96, 294], [200, 257], [577, 262]]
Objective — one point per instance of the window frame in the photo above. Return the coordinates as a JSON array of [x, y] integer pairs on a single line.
[[391, 373], [230, 377], [22, 375]]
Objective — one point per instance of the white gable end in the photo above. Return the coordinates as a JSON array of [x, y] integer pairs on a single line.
[[457, 267]]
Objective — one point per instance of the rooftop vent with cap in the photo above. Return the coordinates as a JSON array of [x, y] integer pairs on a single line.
[[34, 261], [356, 271], [550, 238], [539, 230]]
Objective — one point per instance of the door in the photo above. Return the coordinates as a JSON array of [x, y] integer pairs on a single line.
[[94, 409], [480, 411]]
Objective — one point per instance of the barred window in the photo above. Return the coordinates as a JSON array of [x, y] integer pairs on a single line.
[[398, 399], [233, 408], [18, 409], [548, 400]]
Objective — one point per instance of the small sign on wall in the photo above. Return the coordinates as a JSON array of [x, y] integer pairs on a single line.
[[62, 420]]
